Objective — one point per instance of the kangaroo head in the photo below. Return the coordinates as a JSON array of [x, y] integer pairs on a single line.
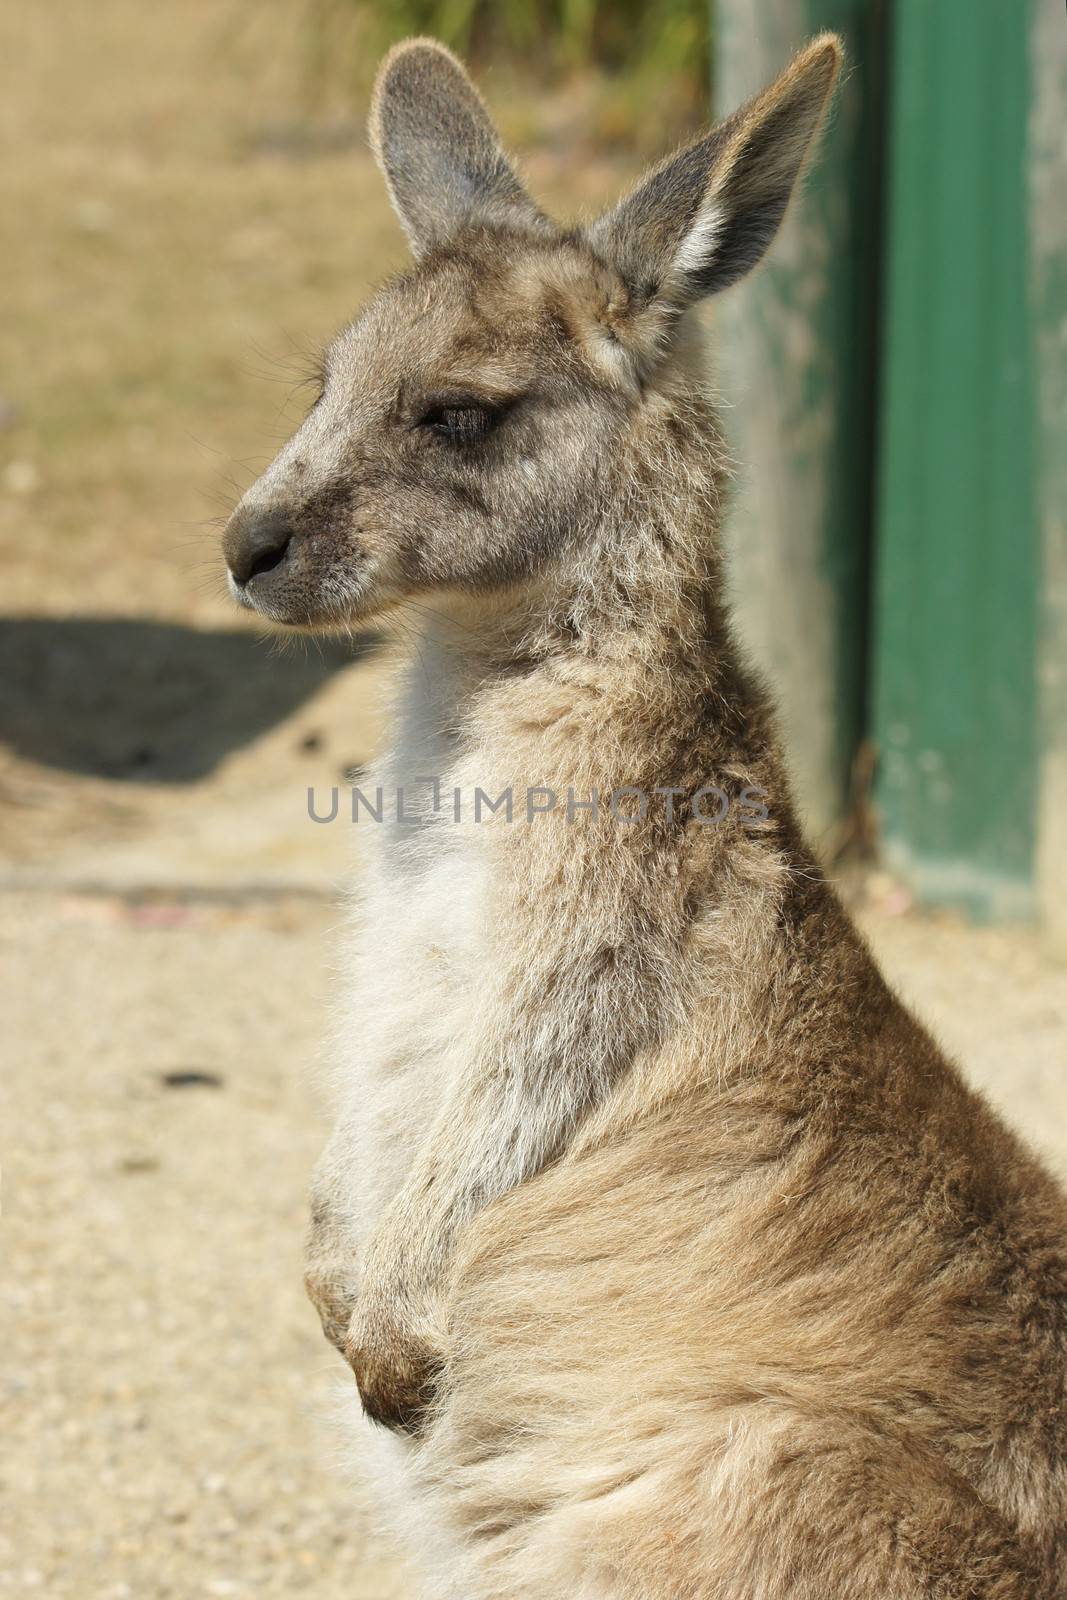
[[476, 420]]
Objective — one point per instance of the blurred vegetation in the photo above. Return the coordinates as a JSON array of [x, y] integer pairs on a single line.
[[648, 62]]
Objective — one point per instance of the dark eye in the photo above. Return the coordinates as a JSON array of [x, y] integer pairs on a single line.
[[462, 422]]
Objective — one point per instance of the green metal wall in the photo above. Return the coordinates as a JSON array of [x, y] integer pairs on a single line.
[[796, 346], [1047, 194], [957, 551], [897, 379]]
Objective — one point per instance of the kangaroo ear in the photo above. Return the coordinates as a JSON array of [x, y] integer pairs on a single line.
[[705, 217], [437, 147]]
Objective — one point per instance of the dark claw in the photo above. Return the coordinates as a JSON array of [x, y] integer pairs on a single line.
[[396, 1394]]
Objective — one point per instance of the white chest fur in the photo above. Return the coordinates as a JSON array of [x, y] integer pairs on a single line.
[[424, 937]]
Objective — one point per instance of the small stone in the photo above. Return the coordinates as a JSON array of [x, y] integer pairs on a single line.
[[190, 1078], [138, 1164]]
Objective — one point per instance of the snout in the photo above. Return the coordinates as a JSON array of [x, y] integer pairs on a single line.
[[258, 545], [294, 555]]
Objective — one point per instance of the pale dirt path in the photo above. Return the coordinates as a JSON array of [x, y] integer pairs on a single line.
[[162, 1379], [163, 1382]]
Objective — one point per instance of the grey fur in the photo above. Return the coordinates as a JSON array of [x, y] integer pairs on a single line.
[[438, 149]]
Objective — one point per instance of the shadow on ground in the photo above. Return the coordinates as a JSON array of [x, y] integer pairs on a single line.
[[150, 702]]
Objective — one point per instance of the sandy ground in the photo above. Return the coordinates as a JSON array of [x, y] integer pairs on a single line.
[[164, 1386], [163, 1379], [167, 215]]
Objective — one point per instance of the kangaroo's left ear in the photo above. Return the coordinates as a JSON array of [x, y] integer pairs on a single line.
[[436, 145], [705, 217]]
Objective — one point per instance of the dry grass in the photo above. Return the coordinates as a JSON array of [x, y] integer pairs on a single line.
[[154, 261], [177, 238]]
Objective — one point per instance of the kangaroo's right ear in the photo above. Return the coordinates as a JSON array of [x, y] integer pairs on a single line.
[[705, 217], [437, 147]]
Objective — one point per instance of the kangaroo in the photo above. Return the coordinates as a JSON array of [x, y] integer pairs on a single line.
[[671, 1256]]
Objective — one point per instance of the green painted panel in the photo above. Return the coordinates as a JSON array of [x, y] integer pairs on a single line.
[[797, 345], [954, 705], [1048, 287]]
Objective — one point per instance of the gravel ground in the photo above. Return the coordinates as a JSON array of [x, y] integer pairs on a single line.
[[163, 1381], [164, 1384]]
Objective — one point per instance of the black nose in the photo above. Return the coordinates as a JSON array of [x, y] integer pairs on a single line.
[[256, 542]]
